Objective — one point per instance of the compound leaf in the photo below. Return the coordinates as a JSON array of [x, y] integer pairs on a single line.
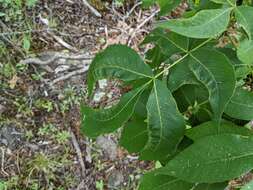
[[205, 24]]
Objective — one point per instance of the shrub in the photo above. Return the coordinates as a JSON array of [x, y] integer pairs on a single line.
[[188, 102]]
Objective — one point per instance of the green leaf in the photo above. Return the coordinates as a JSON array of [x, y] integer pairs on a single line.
[[214, 186], [148, 3], [241, 105], [2, 14], [3, 185], [169, 42], [248, 186], [31, 3], [190, 95], [167, 6], [117, 61], [205, 24], [244, 17], [26, 43], [231, 54], [210, 128], [203, 4], [135, 135], [97, 122], [213, 159], [153, 181], [214, 70], [241, 70], [180, 75], [230, 2], [155, 57], [165, 124], [192, 100], [245, 52], [195, 43]]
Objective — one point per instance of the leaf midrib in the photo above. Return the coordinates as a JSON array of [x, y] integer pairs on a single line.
[[135, 136], [160, 117], [167, 183], [223, 160], [241, 104], [175, 44], [122, 68]]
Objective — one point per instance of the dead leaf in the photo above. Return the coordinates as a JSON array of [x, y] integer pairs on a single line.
[[13, 82]]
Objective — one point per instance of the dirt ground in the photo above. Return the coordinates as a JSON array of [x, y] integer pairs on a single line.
[[45, 51]]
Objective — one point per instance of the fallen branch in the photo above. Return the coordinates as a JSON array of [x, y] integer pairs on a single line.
[[92, 9], [69, 75], [2, 162], [62, 42], [140, 26], [78, 151], [56, 56]]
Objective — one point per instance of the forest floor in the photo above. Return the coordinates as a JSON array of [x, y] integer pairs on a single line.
[[45, 51]]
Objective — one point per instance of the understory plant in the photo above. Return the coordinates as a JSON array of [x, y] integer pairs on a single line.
[[190, 101]]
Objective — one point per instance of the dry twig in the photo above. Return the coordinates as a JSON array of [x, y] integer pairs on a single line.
[[78, 152], [92, 9], [140, 26], [63, 43], [2, 162]]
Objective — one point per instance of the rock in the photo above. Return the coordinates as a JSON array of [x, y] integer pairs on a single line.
[[2, 109], [108, 146], [11, 137], [115, 180], [102, 83], [98, 96]]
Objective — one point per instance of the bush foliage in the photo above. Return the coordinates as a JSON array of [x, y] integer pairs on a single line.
[[188, 103]]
